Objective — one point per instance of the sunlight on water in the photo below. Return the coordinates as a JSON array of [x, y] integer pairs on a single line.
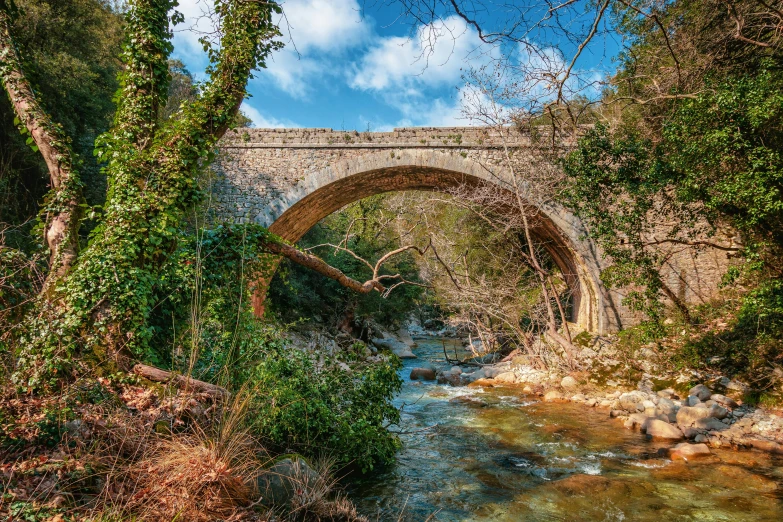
[[475, 454]]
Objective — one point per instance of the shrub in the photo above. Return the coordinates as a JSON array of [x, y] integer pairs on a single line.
[[314, 403]]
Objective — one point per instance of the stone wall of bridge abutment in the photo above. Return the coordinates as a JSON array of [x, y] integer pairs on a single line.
[[289, 179]]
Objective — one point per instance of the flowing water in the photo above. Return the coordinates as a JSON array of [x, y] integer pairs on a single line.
[[496, 454]]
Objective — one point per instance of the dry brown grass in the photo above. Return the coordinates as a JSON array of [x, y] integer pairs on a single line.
[[317, 498], [207, 473], [118, 465]]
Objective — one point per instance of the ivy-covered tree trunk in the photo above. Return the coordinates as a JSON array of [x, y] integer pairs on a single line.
[[100, 309], [94, 313]]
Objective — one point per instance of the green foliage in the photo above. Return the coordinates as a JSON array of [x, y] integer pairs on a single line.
[[614, 183], [723, 150], [297, 292], [70, 50], [718, 159], [312, 403], [751, 346], [202, 309], [701, 150], [31, 512], [102, 308]]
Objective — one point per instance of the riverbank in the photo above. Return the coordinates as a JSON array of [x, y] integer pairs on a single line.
[[489, 451], [691, 406]]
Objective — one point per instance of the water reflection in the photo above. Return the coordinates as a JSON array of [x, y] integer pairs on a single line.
[[493, 454]]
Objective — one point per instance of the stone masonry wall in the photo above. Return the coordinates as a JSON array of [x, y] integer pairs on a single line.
[[288, 179]]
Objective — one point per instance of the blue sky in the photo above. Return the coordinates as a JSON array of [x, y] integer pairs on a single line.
[[348, 68]]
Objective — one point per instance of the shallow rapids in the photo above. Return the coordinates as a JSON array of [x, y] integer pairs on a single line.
[[496, 454]]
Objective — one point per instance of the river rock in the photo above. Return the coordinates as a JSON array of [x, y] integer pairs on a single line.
[[492, 372], [455, 379], [692, 401], [553, 395], [405, 336], [507, 377], [719, 412], [687, 416], [399, 348], [425, 374], [766, 445], [666, 406], [631, 401], [568, 382], [279, 484], [687, 451], [710, 424], [700, 391], [659, 429], [727, 402], [636, 420], [668, 393]]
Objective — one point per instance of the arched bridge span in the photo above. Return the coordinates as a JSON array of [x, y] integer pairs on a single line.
[[290, 179]]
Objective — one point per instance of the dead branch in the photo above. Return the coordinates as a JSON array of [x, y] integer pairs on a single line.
[[180, 381]]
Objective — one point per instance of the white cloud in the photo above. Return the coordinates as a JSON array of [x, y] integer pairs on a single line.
[[264, 122], [434, 57], [323, 25], [316, 33], [456, 111], [294, 74]]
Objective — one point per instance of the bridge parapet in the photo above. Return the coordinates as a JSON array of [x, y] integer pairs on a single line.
[[413, 137]]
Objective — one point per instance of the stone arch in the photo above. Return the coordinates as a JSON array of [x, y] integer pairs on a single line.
[[325, 191]]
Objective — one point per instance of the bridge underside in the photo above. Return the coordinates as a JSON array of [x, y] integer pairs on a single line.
[[303, 214]]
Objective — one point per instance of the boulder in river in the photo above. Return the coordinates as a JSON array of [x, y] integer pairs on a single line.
[[507, 377], [636, 421], [553, 395], [727, 402], [451, 377], [425, 374], [710, 424], [687, 415], [659, 429], [399, 348], [568, 382], [405, 336], [700, 391], [719, 412], [687, 451], [632, 400]]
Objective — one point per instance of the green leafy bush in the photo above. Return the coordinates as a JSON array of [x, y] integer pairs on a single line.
[[314, 403]]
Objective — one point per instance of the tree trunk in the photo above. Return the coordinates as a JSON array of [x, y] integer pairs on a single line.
[[62, 211]]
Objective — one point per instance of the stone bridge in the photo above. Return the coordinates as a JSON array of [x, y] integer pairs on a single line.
[[290, 179]]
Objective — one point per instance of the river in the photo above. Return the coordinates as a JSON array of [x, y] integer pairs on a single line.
[[495, 454]]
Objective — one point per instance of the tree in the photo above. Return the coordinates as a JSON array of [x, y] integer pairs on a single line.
[[687, 126], [95, 302]]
